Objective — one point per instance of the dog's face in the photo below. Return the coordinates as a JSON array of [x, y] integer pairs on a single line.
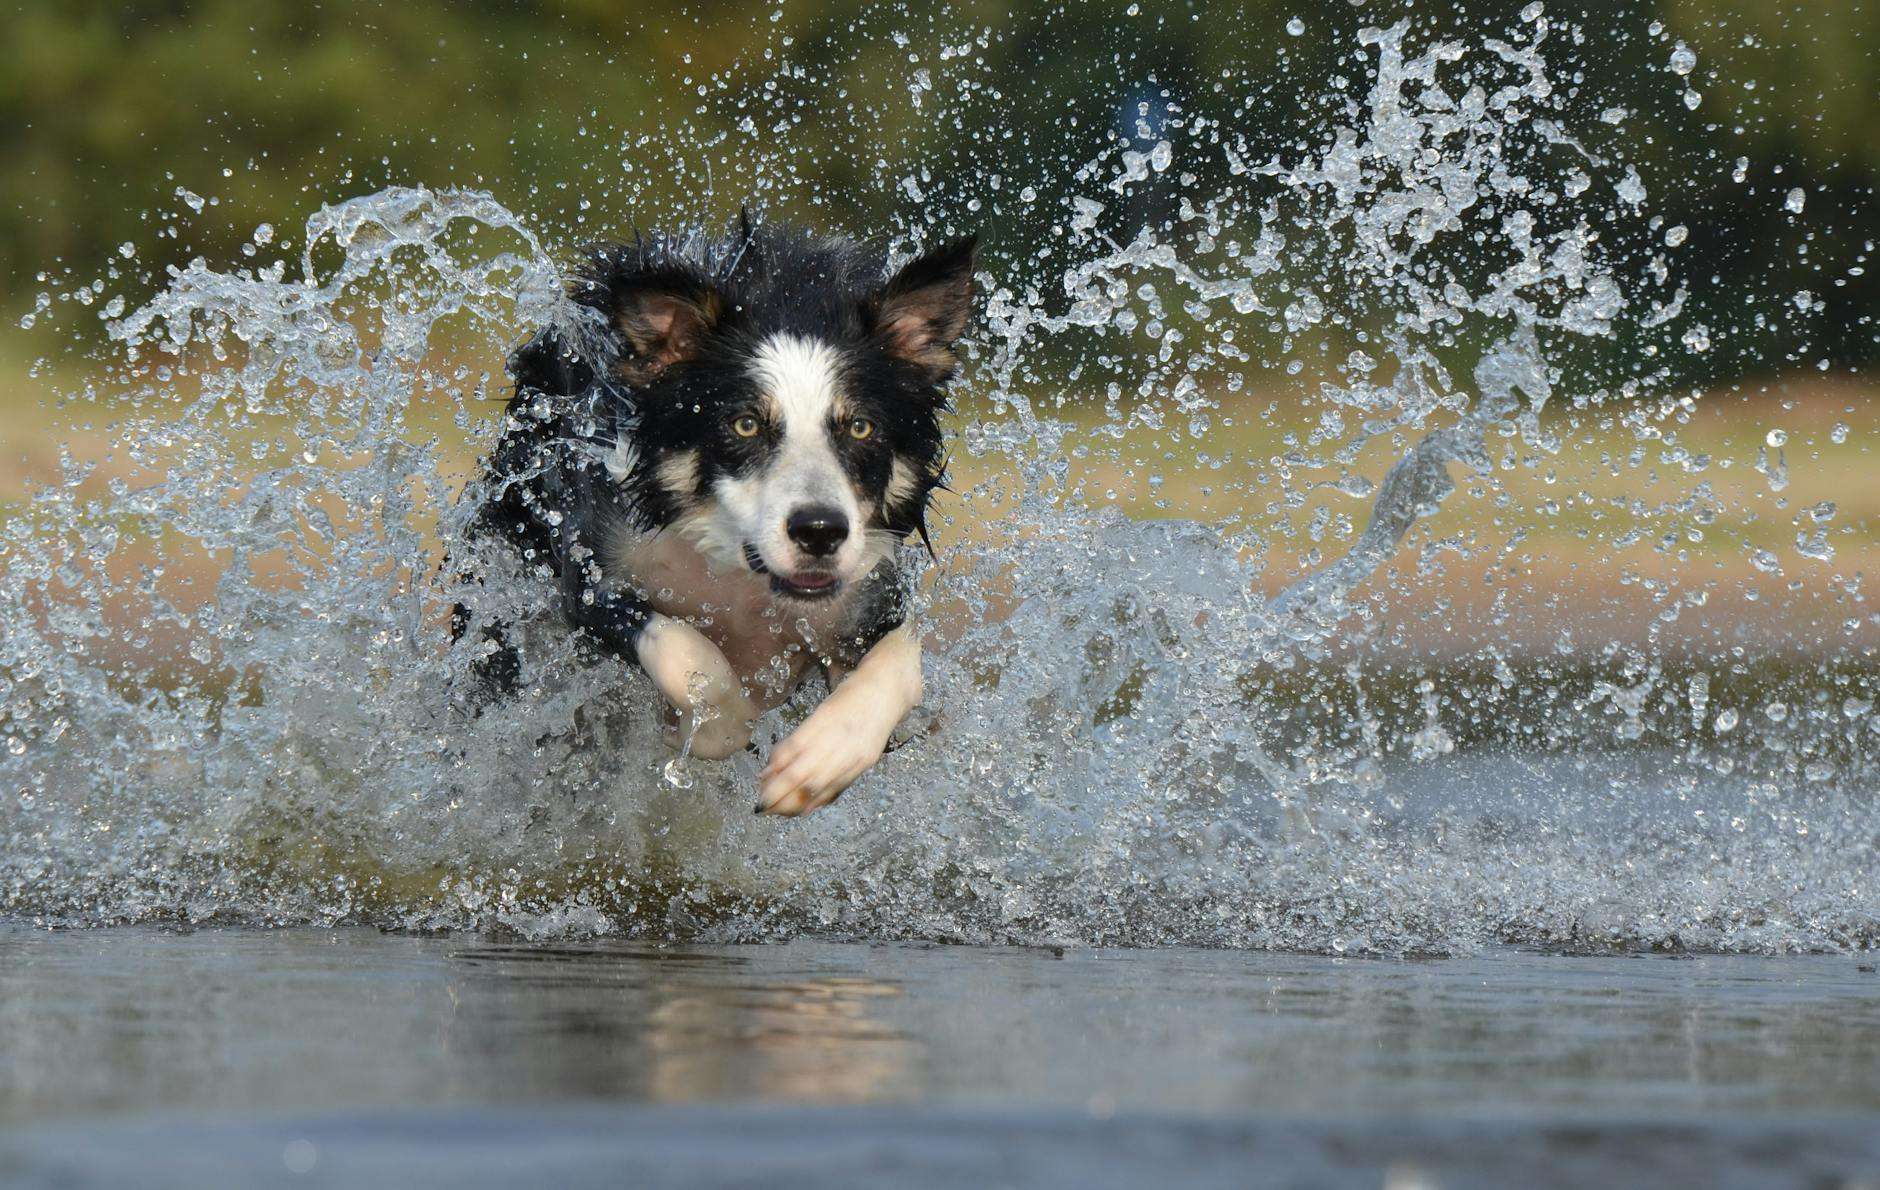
[[785, 418]]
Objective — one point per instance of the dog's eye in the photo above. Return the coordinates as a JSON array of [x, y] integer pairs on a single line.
[[860, 428], [746, 426]]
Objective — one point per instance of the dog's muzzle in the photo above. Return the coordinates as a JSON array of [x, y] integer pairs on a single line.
[[805, 584]]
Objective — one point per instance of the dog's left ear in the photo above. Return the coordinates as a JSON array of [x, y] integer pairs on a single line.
[[923, 309]]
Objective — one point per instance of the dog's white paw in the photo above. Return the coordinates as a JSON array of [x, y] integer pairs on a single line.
[[718, 738], [710, 731], [817, 761]]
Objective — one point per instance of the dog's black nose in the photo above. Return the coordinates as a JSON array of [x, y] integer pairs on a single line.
[[819, 530]]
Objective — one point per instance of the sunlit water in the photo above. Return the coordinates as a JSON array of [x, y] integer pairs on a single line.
[[225, 693]]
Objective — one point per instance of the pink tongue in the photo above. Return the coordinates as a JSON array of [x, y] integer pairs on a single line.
[[813, 580]]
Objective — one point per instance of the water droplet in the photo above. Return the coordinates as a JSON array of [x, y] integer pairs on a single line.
[[1631, 188], [1295, 27], [1797, 199], [1683, 60], [1814, 545]]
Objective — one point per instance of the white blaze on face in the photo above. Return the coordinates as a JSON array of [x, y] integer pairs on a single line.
[[801, 383]]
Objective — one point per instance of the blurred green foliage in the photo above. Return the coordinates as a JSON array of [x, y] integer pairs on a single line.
[[591, 116]]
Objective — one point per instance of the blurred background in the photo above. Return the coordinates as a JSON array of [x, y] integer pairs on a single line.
[[107, 110], [139, 136]]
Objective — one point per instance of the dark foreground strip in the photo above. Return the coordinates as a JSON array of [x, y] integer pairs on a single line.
[[833, 1148]]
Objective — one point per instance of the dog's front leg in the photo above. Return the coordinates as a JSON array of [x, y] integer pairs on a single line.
[[693, 675], [845, 736], [690, 672]]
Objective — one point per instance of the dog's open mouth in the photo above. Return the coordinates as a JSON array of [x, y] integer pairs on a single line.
[[808, 584], [804, 584]]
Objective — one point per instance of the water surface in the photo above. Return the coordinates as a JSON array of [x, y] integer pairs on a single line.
[[244, 1055]]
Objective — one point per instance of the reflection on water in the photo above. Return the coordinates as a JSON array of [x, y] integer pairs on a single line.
[[796, 1042], [134, 1020], [674, 1026]]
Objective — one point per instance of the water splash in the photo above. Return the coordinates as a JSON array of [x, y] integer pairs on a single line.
[[225, 695]]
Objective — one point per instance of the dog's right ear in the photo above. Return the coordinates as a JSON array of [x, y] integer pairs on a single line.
[[664, 318]]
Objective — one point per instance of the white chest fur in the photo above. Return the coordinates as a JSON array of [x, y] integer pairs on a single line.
[[770, 642]]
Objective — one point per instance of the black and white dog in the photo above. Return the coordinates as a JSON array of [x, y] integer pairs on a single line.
[[718, 473]]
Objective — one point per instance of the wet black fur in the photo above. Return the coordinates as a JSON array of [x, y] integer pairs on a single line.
[[580, 385]]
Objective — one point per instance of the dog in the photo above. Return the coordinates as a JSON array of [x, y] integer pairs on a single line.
[[718, 463]]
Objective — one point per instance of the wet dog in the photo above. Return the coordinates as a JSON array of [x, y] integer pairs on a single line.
[[717, 466]]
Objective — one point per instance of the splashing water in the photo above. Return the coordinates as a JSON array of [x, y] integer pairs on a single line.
[[225, 692]]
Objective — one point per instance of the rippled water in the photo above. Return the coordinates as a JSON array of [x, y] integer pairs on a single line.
[[225, 693], [350, 1057]]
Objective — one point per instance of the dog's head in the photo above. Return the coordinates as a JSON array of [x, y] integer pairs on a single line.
[[782, 394]]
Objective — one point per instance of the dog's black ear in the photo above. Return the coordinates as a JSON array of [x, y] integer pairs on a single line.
[[664, 317], [923, 309]]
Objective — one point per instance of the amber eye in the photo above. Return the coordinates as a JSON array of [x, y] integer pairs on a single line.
[[860, 428], [746, 426]]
